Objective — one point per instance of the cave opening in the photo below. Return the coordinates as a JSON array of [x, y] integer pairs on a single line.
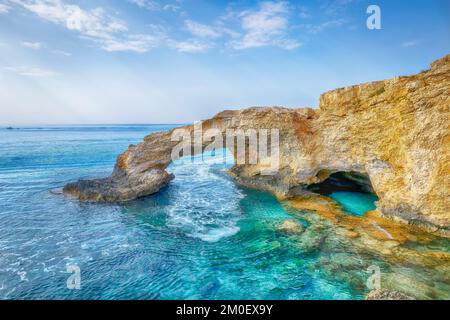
[[352, 190]]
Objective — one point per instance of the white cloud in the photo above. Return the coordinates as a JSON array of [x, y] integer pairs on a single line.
[[39, 45], [155, 6], [411, 43], [93, 24], [288, 44], [190, 46], [304, 13], [61, 52], [335, 7], [204, 36], [172, 7], [265, 27], [146, 4], [201, 30], [31, 71], [316, 28], [4, 8], [136, 43], [32, 45]]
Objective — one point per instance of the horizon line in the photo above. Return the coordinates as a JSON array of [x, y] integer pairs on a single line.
[[17, 126]]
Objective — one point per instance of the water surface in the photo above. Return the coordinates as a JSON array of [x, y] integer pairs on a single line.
[[202, 237], [356, 203]]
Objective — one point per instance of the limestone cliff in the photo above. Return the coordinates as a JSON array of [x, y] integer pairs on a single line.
[[396, 132]]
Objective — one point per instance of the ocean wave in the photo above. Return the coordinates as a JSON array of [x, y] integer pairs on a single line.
[[199, 209]]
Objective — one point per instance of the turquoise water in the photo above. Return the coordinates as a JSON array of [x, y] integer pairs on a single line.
[[202, 237], [356, 203]]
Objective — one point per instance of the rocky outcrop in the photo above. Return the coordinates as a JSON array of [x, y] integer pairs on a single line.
[[394, 132], [291, 227], [383, 294]]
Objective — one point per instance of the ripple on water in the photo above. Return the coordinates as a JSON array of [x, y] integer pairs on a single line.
[[202, 237], [198, 207]]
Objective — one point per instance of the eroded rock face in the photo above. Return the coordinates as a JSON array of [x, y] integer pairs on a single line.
[[397, 132]]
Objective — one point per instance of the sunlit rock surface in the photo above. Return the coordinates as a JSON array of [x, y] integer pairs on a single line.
[[394, 131], [383, 294]]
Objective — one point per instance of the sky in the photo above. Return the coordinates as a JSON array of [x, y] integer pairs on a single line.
[[178, 61]]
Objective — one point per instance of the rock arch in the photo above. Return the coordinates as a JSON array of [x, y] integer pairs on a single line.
[[397, 131]]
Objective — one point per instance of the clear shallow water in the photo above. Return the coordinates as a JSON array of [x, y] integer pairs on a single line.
[[202, 237], [356, 203]]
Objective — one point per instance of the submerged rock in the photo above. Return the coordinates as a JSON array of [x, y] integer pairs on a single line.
[[414, 284], [404, 261], [394, 132], [291, 227], [313, 239], [384, 294]]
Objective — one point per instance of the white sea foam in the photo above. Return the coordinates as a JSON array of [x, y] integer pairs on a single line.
[[214, 235], [199, 208], [22, 275]]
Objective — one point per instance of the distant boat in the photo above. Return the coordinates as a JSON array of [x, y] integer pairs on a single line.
[[9, 128]]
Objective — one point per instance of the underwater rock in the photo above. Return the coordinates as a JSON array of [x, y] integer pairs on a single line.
[[290, 226], [384, 294], [312, 239], [404, 268], [210, 289], [395, 132], [412, 284]]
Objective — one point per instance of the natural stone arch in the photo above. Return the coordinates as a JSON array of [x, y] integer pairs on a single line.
[[397, 131], [141, 169]]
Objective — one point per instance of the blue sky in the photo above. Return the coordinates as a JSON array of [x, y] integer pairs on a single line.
[[177, 61]]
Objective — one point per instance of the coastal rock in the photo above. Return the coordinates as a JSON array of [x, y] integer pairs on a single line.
[[350, 234], [290, 226], [384, 294], [394, 132], [119, 188]]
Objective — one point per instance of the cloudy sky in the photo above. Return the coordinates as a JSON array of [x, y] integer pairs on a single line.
[[177, 61]]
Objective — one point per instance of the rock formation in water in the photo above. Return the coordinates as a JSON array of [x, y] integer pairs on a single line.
[[290, 227], [395, 132], [383, 294]]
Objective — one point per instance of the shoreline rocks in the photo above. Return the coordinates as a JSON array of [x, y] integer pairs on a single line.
[[384, 294], [119, 189]]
